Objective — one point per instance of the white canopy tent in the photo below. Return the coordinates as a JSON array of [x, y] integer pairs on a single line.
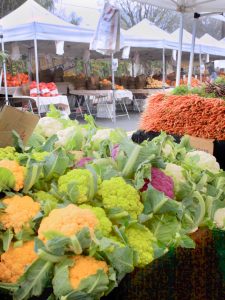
[[32, 22], [191, 6]]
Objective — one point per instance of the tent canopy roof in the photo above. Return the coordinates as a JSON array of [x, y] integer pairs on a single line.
[[207, 39], [146, 29], [189, 6], [31, 20]]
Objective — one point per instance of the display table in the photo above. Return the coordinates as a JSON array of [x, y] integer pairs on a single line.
[[44, 102], [149, 91], [119, 94], [11, 90]]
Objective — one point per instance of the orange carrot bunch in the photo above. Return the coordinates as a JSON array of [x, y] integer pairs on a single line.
[[189, 114]]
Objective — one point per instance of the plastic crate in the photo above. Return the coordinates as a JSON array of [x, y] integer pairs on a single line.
[[103, 111]]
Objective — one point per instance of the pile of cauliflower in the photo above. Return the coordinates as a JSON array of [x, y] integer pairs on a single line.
[[82, 229]]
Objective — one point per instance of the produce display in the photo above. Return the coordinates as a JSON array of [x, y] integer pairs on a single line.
[[82, 206], [105, 84], [16, 80], [188, 114], [154, 84], [46, 89]]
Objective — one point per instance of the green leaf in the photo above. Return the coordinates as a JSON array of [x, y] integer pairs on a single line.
[[7, 179], [35, 280], [56, 164], [32, 175], [7, 238], [8, 288], [77, 296], [60, 282], [122, 259], [17, 142], [95, 285], [153, 201], [49, 144]]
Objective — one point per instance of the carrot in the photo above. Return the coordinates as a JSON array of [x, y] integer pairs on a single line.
[[188, 114]]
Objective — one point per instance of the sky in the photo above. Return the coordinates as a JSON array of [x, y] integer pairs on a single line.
[[88, 10]]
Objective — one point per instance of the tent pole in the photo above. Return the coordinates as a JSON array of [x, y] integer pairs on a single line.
[[5, 74], [113, 91], [192, 52], [164, 68], [180, 49], [37, 74], [200, 63]]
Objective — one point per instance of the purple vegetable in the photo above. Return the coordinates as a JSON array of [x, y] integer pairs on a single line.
[[115, 151], [85, 160], [161, 182]]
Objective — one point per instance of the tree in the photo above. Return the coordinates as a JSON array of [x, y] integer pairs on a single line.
[[133, 12], [7, 6]]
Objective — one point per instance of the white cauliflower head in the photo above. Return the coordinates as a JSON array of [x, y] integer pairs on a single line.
[[219, 217], [206, 161], [64, 136], [48, 126], [102, 134], [175, 171]]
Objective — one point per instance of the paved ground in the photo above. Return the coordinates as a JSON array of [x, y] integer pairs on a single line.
[[121, 122]]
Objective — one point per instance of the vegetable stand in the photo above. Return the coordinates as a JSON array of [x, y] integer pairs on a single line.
[[44, 102], [85, 209]]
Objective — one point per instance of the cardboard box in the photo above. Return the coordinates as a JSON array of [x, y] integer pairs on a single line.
[[13, 119]]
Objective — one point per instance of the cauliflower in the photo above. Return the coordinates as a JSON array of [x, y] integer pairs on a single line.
[[15, 261], [70, 138], [161, 182], [44, 196], [175, 171], [206, 161], [18, 212], [101, 134], [17, 171], [84, 266], [83, 182], [68, 221], [140, 239], [39, 156], [8, 153], [48, 126], [117, 193], [219, 217], [105, 224]]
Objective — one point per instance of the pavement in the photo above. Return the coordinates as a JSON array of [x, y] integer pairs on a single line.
[[121, 122]]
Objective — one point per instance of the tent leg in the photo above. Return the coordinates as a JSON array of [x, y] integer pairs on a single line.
[[37, 74], [192, 52], [113, 92], [5, 74], [200, 63], [180, 49], [164, 68]]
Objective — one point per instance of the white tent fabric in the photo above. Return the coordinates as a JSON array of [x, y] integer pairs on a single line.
[[189, 6], [31, 21]]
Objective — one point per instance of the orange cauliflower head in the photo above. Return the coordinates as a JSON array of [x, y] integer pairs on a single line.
[[15, 261], [84, 267], [17, 170], [68, 221], [18, 212]]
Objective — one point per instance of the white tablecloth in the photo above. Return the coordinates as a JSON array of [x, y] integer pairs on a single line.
[[120, 94], [45, 101]]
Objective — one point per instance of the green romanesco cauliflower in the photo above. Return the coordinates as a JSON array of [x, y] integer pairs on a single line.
[[116, 193], [44, 196], [8, 153], [140, 239], [105, 224], [79, 184], [39, 156], [48, 202]]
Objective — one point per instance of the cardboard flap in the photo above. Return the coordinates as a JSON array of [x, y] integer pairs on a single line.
[[202, 144], [13, 119]]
